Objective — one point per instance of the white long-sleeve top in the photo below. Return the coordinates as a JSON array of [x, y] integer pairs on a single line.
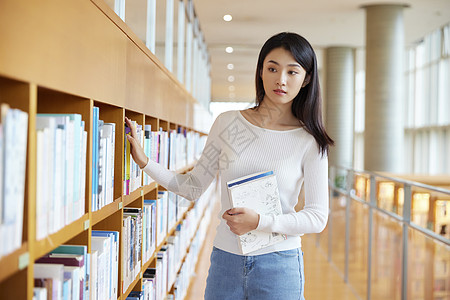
[[235, 148]]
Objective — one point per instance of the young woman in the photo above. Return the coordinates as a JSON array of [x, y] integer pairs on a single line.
[[282, 133]]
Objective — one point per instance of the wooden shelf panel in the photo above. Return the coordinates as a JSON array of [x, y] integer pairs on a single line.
[[52, 241], [106, 211], [130, 288], [11, 263], [127, 199]]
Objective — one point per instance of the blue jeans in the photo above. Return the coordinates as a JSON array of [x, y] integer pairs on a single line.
[[276, 275]]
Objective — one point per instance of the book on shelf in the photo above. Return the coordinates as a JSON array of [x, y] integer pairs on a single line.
[[40, 293], [154, 275], [72, 251], [132, 243], [258, 191], [74, 266], [148, 144], [149, 230], [61, 143], [51, 277], [105, 259], [103, 150], [132, 172], [13, 141], [113, 239], [164, 144]]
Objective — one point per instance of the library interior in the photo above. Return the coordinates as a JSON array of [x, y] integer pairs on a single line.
[[80, 219]]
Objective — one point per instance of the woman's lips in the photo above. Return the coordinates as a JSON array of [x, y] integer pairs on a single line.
[[279, 92]]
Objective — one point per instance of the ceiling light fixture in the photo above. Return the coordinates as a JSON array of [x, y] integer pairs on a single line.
[[229, 49], [230, 78], [227, 18], [231, 88], [230, 66]]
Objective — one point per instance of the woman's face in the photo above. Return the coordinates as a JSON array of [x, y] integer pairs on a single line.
[[282, 76]]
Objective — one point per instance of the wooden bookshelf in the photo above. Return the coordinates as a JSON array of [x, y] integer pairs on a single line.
[[85, 56]]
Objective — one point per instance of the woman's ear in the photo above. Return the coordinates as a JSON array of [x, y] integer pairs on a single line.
[[306, 81]]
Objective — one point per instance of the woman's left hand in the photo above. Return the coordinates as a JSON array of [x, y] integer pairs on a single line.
[[241, 220]]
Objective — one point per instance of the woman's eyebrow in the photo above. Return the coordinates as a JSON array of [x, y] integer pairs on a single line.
[[290, 65]]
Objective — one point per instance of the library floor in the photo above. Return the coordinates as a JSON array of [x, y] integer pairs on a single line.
[[323, 281]]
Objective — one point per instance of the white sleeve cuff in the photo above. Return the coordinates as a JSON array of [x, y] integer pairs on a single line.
[[264, 223]]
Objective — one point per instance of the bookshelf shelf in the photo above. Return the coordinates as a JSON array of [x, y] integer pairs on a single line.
[[110, 69], [128, 199], [106, 211], [10, 263], [131, 286], [60, 237]]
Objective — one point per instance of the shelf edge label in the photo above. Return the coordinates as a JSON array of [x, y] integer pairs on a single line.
[[24, 259]]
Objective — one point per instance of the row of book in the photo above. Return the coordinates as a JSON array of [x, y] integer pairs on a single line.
[[169, 271], [174, 150], [132, 244], [63, 274], [61, 142], [154, 222], [69, 272], [13, 157], [103, 155], [183, 278]]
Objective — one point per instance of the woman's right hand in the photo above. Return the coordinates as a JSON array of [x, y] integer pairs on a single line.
[[137, 152]]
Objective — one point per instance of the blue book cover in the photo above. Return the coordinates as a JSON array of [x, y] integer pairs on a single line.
[[95, 143], [66, 289], [248, 178]]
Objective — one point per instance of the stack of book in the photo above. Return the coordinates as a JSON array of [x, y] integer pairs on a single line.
[[132, 243], [132, 172], [13, 157], [103, 148], [182, 280], [178, 149], [149, 230], [161, 215], [164, 147], [151, 146], [105, 263], [60, 172], [153, 277], [63, 274]]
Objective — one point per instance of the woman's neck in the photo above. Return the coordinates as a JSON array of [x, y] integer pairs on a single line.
[[277, 115]]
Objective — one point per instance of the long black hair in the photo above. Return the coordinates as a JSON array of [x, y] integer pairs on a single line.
[[307, 105]]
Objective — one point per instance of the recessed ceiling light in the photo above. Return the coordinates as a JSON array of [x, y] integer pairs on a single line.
[[230, 66], [231, 88], [230, 78], [229, 49], [227, 18]]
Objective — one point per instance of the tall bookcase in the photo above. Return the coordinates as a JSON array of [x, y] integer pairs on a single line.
[[67, 57]]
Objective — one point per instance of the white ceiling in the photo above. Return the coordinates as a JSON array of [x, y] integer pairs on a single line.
[[323, 22]]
